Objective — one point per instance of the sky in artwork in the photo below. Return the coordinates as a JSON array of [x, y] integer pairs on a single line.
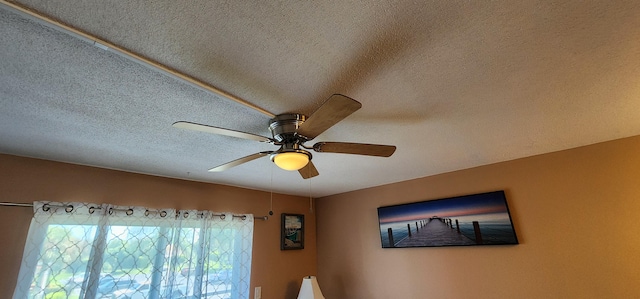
[[477, 204]]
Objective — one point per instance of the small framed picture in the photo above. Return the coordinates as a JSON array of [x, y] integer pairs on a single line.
[[292, 234]]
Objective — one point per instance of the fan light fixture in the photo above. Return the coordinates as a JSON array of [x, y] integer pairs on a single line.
[[291, 160]]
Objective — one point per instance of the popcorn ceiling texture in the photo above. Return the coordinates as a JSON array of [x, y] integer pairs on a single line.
[[453, 84]]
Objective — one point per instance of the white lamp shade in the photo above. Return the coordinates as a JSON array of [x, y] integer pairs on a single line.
[[310, 289]]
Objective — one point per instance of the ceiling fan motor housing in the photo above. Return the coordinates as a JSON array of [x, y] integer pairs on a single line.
[[284, 128]]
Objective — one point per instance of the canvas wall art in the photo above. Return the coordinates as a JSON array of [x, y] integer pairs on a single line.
[[478, 219]]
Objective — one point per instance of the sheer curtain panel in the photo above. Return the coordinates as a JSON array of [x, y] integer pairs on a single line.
[[89, 251]]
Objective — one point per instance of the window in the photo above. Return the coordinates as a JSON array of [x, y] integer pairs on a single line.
[[77, 250]]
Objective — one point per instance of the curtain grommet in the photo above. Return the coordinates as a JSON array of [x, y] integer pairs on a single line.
[[46, 207], [68, 209], [163, 214], [129, 212]]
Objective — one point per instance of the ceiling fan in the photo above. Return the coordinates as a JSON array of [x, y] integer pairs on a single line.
[[291, 131]]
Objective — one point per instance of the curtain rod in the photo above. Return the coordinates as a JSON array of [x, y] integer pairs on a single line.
[[29, 205], [108, 46]]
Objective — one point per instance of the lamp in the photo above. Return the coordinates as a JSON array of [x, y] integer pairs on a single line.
[[291, 160], [310, 289]]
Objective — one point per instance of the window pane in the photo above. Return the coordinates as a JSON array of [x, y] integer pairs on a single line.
[[61, 269], [128, 261]]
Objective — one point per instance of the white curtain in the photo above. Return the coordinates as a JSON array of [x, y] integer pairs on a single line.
[[89, 251]]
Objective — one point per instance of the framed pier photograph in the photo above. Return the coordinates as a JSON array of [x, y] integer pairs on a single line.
[[478, 219], [292, 233]]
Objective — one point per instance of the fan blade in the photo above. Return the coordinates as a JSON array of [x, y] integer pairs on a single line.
[[335, 109], [237, 162], [220, 131], [308, 171], [355, 148]]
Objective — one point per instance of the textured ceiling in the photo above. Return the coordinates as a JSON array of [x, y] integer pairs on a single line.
[[453, 84]]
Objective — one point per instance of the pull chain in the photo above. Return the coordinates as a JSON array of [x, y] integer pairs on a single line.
[[271, 199], [310, 199]]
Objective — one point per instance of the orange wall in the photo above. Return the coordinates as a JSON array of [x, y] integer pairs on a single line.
[[279, 273], [576, 213]]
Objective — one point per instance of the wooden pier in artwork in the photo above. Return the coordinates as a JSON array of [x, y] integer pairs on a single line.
[[435, 232]]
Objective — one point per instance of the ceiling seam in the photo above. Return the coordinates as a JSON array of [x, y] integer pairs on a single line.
[[106, 45]]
